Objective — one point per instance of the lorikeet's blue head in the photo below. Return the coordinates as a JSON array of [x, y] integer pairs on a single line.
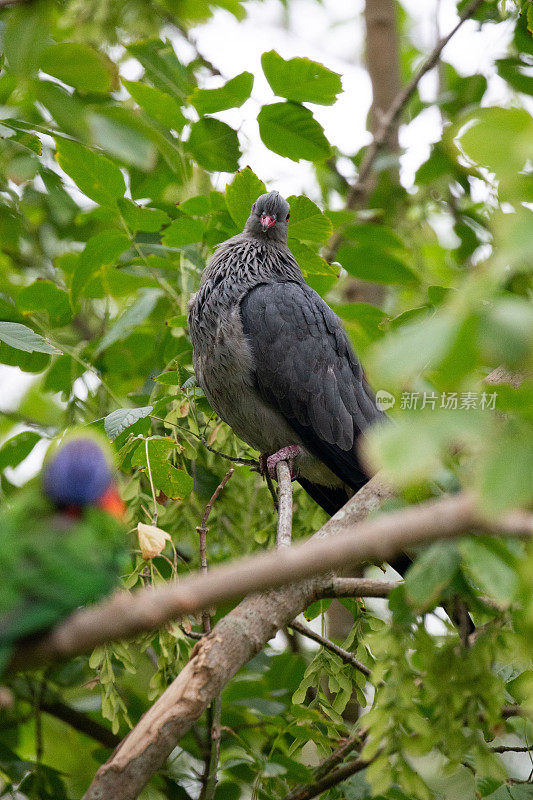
[[80, 474]]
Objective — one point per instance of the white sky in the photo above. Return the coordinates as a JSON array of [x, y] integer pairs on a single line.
[[331, 32]]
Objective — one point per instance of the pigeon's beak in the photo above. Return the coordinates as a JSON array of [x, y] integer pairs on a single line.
[[267, 221], [112, 503]]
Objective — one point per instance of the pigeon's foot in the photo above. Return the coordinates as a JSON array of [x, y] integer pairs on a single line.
[[287, 454]]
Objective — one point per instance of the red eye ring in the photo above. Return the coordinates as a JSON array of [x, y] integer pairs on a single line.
[[288, 215]]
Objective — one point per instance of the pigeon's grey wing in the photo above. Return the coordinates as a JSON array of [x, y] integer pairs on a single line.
[[306, 369]]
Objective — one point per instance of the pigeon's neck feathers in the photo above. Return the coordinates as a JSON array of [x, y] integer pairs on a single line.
[[246, 261]]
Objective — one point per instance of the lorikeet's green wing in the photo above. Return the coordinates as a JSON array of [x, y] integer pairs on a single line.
[[52, 563]]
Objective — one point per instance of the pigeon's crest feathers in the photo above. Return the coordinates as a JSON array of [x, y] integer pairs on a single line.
[[269, 218]]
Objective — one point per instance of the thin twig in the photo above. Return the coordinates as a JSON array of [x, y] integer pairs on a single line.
[[510, 749], [337, 757], [343, 654], [284, 533], [360, 188], [272, 490], [336, 776], [250, 462], [214, 497]]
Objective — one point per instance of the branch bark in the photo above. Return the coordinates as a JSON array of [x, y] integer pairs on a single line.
[[284, 533], [383, 63], [359, 587], [245, 630]]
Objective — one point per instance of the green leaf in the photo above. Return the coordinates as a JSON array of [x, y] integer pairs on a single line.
[[134, 316], [96, 176], [25, 36], [23, 338], [117, 422], [175, 483], [432, 571], [80, 66], [214, 145], [198, 206], [117, 131], [162, 66], [162, 107], [300, 79], [414, 347], [241, 193], [61, 375], [182, 231], [231, 95], [29, 141], [291, 130], [139, 218], [481, 129], [307, 222], [515, 72], [169, 378], [101, 250], [504, 475], [374, 264], [66, 109], [44, 295], [309, 261], [493, 574], [17, 448]]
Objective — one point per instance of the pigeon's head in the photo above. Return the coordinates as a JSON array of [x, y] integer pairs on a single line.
[[269, 218], [80, 473]]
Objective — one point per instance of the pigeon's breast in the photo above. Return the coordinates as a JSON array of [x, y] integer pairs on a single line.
[[224, 368]]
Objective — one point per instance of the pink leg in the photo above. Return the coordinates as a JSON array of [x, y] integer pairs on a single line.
[[285, 454]]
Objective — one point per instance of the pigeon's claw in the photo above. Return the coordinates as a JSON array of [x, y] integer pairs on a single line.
[[287, 454]]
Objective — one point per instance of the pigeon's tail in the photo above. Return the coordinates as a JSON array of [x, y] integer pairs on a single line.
[[331, 499]]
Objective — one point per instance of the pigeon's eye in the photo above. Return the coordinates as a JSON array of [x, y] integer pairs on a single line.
[[288, 215], [253, 207]]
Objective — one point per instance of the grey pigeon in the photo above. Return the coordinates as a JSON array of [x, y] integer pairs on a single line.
[[275, 362]]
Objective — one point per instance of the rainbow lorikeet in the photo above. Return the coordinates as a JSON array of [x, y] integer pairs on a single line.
[[62, 542]]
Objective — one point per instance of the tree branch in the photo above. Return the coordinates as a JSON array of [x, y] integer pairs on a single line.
[[359, 190], [379, 539], [244, 631], [343, 654], [359, 587], [284, 533], [331, 779]]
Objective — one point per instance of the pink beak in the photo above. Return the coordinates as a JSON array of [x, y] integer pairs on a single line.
[[267, 221]]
